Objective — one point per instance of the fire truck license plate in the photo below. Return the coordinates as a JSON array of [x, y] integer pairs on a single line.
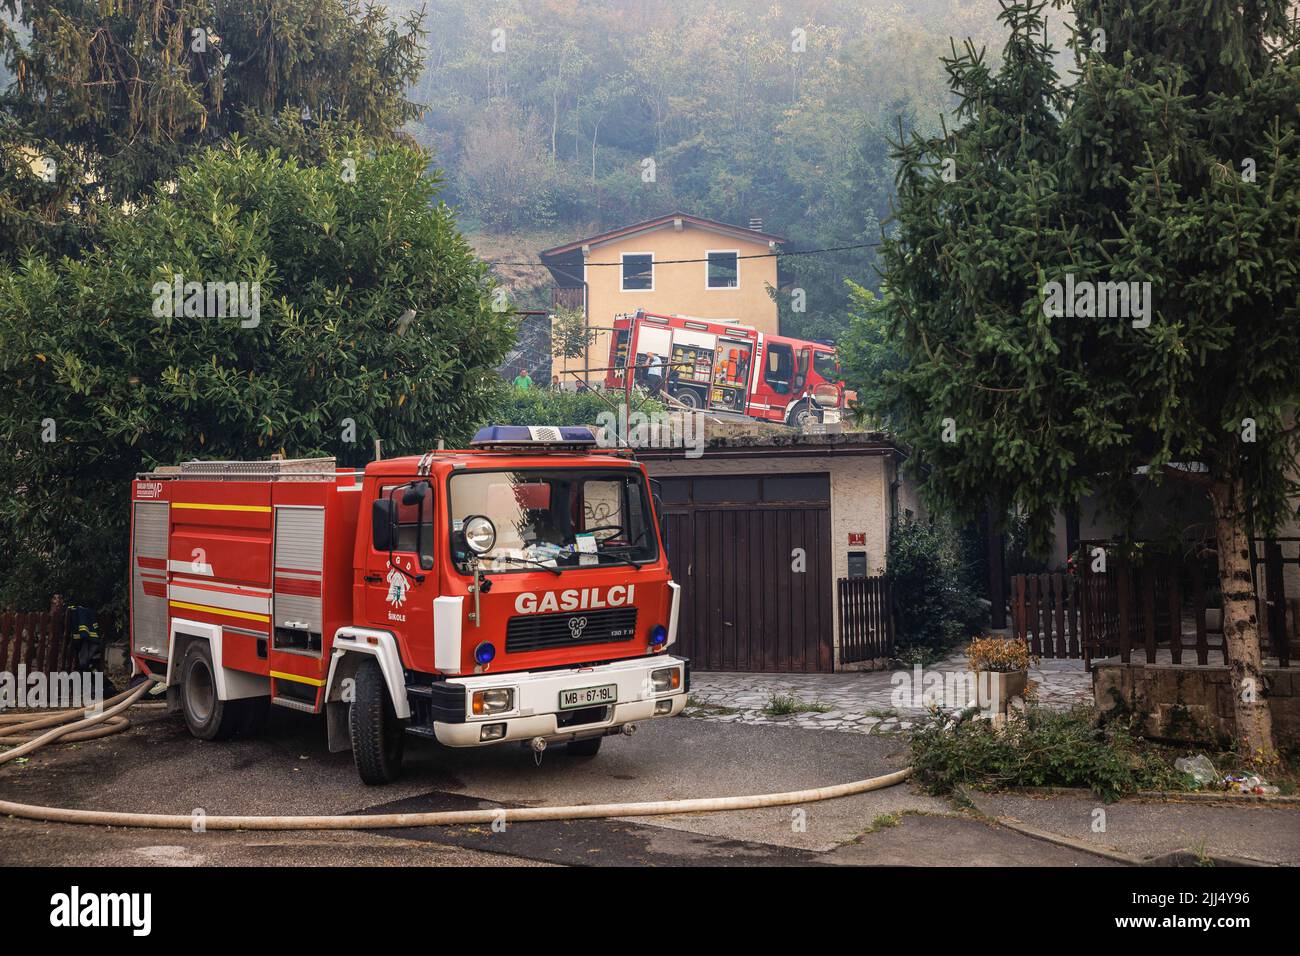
[[830, 416], [588, 696]]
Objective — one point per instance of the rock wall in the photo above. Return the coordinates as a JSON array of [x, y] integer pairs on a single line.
[[1194, 703]]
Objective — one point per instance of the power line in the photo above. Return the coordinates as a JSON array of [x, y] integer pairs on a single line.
[[670, 262]]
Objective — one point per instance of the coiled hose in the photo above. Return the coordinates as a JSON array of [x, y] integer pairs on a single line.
[[17, 728], [109, 721]]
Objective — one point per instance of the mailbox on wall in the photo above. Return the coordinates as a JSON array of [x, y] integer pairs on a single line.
[[857, 564]]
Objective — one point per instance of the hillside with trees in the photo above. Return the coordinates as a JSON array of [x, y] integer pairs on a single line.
[[544, 115]]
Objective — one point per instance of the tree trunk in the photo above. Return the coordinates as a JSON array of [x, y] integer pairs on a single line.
[[1241, 624]]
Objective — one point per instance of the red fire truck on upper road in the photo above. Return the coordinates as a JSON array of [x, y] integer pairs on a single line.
[[728, 367], [518, 590]]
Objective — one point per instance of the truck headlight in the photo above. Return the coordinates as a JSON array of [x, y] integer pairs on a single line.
[[495, 700], [666, 678], [480, 534]]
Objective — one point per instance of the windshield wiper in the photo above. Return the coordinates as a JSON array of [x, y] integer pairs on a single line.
[[618, 562], [513, 560]]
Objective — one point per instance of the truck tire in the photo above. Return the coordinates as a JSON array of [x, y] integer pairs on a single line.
[[802, 415], [207, 716], [583, 748], [378, 737], [689, 397]]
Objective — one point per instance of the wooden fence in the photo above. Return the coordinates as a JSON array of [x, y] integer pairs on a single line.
[[866, 619], [38, 640], [1143, 606], [1150, 606], [1045, 613], [1279, 613]]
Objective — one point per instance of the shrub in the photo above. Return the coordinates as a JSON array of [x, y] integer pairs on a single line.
[[549, 406], [998, 654], [934, 606], [1037, 748]]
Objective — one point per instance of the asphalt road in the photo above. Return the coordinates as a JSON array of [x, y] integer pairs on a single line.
[[157, 766]]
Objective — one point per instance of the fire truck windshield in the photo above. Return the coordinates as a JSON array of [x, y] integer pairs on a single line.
[[826, 365], [561, 518]]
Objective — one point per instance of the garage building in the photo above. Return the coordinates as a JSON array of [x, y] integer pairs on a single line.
[[761, 530]]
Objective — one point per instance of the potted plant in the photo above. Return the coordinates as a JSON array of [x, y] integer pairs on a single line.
[[1001, 666]]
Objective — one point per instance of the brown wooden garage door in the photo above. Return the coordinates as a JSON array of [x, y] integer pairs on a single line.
[[730, 544]]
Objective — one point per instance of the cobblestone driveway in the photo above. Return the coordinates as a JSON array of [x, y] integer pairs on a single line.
[[853, 702]]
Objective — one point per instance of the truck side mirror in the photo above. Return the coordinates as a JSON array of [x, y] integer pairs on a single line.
[[381, 524], [662, 519]]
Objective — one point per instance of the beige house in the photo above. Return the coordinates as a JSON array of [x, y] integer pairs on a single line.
[[673, 265]]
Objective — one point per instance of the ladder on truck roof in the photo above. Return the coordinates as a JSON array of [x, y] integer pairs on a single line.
[[700, 318], [275, 469], [677, 315]]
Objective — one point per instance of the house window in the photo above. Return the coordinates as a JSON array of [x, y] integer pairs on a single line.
[[722, 270], [638, 272]]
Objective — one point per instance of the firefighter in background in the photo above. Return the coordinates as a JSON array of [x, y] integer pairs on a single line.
[[88, 645], [656, 366], [83, 627]]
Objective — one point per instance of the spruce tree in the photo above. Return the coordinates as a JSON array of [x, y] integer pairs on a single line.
[[1168, 162]]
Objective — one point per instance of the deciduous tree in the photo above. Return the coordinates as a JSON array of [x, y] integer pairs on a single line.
[[373, 319], [111, 97]]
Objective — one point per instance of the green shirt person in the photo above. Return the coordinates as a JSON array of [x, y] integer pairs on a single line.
[[523, 381]]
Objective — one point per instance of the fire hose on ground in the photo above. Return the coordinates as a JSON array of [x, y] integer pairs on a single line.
[[18, 729]]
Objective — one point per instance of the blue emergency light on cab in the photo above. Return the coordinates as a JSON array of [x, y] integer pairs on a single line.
[[535, 436]]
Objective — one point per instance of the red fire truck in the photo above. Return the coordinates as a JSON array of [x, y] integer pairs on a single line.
[[725, 366], [514, 591]]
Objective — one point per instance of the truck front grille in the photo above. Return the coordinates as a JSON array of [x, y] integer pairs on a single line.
[[534, 632]]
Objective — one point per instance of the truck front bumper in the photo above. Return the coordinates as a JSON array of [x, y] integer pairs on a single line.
[[537, 711]]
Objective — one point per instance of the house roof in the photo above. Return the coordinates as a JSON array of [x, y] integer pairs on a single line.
[[782, 443], [660, 222]]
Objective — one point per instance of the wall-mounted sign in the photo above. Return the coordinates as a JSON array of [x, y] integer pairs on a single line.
[[857, 539]]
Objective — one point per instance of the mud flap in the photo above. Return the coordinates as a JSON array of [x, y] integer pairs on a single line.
[[336, 724]]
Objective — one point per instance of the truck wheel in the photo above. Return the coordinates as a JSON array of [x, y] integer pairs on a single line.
[[378, 738], [802, 416], [207, 716], [689, 397], [583, 748]]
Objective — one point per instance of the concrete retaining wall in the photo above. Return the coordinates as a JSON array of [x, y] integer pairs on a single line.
[[1193, 703]]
